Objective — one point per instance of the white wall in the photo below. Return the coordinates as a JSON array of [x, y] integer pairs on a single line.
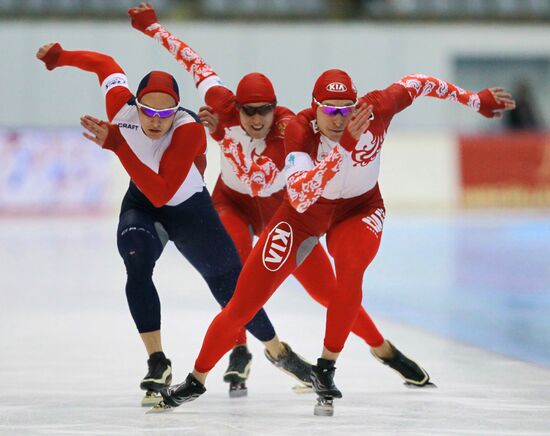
[[293, 55], [420, 171], [419, 165]]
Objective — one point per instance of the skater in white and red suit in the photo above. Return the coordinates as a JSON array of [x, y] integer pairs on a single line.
[[331, 172], [161, 146], [249, 128]]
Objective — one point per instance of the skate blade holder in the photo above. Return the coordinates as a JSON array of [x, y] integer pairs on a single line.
[[324, 407], [428, 385], [151, 399], [161, 407], [238, 390]]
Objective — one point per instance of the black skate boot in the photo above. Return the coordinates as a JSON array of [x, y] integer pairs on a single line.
[[322, 377], [413, 374], [174, 396], [293, 364], [238, 370], [158, 376]]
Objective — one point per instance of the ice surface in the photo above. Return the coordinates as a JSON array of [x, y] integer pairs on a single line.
[[71, 360]]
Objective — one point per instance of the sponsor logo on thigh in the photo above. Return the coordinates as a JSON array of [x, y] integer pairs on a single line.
[[278, 246], [375, 221]]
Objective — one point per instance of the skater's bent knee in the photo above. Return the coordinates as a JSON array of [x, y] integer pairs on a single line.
[[138, 262]]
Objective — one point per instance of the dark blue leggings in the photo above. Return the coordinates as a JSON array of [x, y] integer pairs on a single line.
[[195, 228]]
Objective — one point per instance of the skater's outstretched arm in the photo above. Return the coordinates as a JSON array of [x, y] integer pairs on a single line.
[[259, 175], [489, 102], [305, 181], [111, 76], [188, 142], [144, 19]]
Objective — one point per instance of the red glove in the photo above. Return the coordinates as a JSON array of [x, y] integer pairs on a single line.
[[114, 138], [141, 20], [487, 104], [52, 56], [347, 141]]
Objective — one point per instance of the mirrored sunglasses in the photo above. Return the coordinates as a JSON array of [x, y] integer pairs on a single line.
[[152, 112], [260, 110], [335, 110]]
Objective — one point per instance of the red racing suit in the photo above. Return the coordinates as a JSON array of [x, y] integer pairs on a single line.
[[333, 191]]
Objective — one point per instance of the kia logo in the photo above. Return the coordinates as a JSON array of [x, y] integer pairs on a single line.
[[277, 247], [336, 87]]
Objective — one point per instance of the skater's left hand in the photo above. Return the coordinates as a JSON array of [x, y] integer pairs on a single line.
[[209, 118], [494, 101], [106, 135], [98, 129], [360, 120], [358, 124]]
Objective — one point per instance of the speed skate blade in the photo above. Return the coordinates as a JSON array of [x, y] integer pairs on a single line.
[[428, 385], [302, 389], [151, 399], [161, 407], [238, 393], [324, 407]]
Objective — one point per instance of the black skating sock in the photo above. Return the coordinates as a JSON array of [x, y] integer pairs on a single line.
[[157, 355], [325, 363]]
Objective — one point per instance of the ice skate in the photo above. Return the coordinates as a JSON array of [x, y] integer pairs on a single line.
[[294, 365], [322, 377], [413, 374], [159, 375], [176, 395], [238, 370]]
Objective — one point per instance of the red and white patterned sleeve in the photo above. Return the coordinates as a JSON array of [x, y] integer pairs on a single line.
[[111, 76], [188, 142], [305, 182], [203, 75], [418, 85]]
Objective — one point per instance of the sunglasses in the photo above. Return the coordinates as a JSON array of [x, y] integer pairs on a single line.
[[161, 113], [260, 110], [335, 110]]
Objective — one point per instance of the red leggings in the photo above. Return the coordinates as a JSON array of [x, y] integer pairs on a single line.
[[353, 228]]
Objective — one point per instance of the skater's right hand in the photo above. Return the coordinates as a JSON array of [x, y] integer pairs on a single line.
[[49, 54], [142, 16], [209, 118]]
